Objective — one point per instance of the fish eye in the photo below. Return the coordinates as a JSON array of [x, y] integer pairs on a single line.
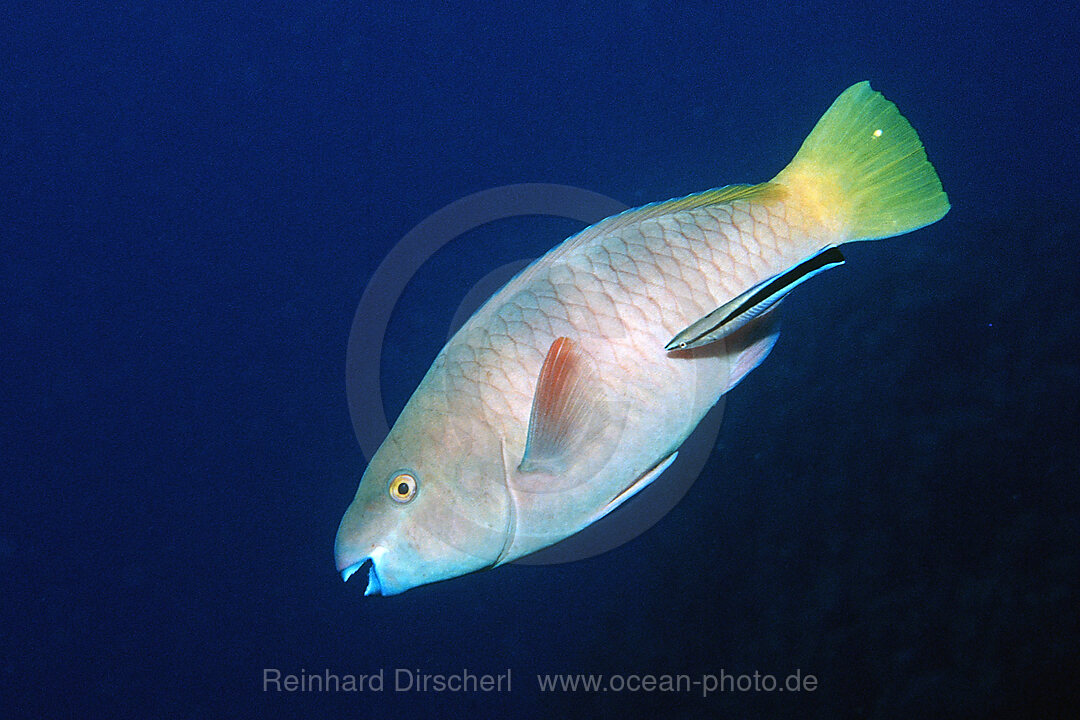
[[402, 487]]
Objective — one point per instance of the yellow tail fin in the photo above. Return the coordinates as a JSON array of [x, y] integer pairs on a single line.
[[863, 171]]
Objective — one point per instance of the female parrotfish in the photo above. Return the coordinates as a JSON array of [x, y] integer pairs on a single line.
[[573, 387]]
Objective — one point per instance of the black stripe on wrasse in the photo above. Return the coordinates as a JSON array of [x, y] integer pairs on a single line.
[[753, 303]]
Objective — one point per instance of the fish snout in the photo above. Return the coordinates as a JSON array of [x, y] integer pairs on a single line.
[[351, 554], [353, 548]]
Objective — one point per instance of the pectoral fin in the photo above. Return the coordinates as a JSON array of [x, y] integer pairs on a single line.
[[753, 303], [568, 409]]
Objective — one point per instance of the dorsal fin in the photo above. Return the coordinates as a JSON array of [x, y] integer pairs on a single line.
[[716, 196], [568, 409]]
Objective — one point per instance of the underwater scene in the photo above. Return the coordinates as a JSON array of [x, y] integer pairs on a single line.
[[788, 428]]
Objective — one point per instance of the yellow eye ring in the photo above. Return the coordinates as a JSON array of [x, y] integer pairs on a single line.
[[402, 487]]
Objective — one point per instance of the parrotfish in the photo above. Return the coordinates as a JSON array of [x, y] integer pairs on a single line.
[[573, 387]]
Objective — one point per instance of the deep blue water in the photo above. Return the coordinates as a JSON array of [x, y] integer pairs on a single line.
[[193, 199]]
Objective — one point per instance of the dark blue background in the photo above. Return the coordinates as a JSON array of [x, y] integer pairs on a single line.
[[193, 197]]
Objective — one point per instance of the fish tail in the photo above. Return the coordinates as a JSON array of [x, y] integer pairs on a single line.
[[862, 172]]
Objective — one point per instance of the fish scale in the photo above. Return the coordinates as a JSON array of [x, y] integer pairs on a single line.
[[573, 386], [598, 293], [632, 290]]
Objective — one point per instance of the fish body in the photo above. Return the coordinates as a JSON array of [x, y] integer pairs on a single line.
[[573, 386]]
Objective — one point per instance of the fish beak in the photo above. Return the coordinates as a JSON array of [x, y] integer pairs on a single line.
[[348, 572], [375, 585]]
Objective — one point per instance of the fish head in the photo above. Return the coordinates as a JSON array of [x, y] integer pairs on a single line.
[[432, 504]]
